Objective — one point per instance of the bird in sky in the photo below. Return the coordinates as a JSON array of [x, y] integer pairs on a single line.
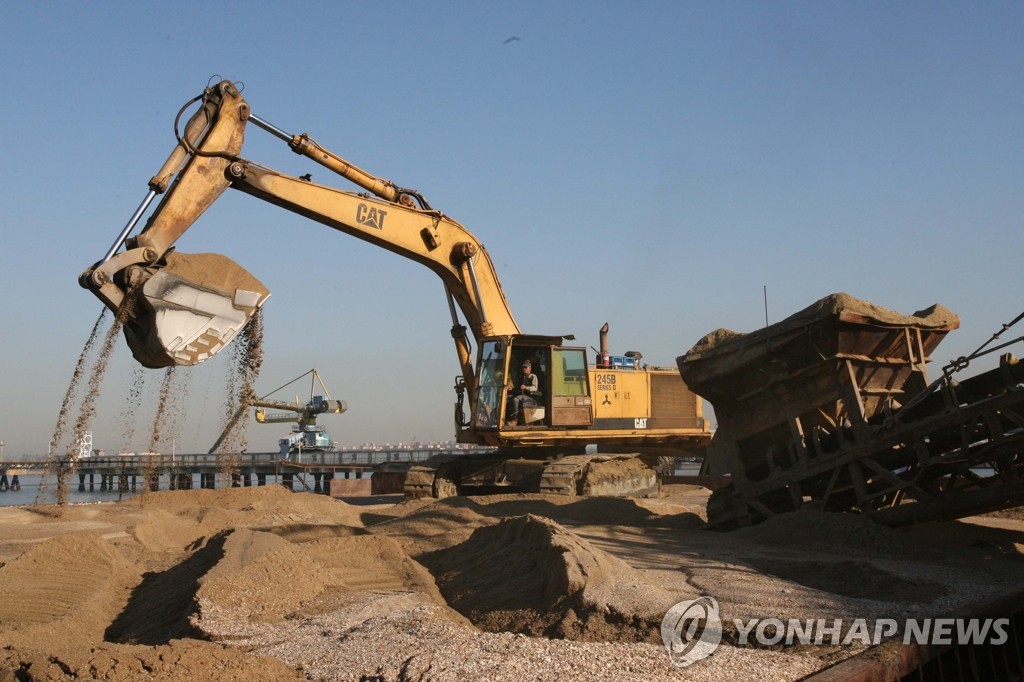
[[511, 39]]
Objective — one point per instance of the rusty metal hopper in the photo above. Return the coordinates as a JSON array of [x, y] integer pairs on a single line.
[[831, 409], [810, 383], [840, 349]]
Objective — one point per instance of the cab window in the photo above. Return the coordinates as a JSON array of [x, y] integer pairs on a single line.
[[569, 372]]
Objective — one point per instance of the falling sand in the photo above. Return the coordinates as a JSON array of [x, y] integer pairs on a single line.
[[53, 465], [246, 361], [136, 387]]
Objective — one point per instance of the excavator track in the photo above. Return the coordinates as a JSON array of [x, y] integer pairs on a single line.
[[561, 476], [428, 479], [603, 475]]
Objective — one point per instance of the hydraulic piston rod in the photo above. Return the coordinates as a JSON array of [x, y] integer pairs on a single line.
[[143, 207]]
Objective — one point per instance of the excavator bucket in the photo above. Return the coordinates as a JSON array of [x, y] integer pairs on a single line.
[[189, 309]]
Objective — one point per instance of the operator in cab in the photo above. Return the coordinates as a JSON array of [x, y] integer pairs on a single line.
[[523, 395]]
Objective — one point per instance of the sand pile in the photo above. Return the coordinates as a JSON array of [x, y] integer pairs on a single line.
[[844, 535], [852, 578], [604, 511], [263, 504], [436, 525], [171, 520], [161, 604], [263, 577], [66, 585], [424, 526], [572, 510], [119, 599], [530, 575]]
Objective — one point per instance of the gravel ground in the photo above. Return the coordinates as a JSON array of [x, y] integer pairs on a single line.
[[390, 637], [294, 585]]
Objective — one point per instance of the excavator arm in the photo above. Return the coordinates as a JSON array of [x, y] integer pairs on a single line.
[[183, 308]]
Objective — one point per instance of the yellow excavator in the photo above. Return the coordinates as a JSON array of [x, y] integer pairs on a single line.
[[183, 308]]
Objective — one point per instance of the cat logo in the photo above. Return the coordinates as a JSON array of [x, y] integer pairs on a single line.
[[640, 423], [371, 217]]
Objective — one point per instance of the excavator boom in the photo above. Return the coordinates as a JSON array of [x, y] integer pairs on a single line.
[[184, 308]]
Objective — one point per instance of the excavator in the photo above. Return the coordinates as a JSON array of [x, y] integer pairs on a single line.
[[589, 430]]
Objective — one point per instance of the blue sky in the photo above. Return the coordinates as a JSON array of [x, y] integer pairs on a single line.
[[651, 165]]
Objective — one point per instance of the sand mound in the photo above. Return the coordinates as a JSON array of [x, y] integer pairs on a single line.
[[529, 575], [857, 579], [404, 507], [263, 577], [170, 521], [160, 531], [267, 501], [63, 586], [160, 606], [838, 533], [297, 576], [435, 526], [260, 577], [308, 532], [439, 524]]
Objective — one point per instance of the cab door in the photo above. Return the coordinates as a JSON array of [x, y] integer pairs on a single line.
[[571, 405], [490, 399]]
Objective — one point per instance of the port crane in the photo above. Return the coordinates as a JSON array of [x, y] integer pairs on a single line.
[[306, 435]]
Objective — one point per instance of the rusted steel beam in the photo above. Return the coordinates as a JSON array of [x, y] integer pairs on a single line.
[[892, 660]]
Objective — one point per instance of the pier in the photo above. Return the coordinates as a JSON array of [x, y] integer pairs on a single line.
[[10, 477], [308, 471]]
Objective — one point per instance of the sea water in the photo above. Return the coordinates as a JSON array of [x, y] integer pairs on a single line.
[[43, 489]]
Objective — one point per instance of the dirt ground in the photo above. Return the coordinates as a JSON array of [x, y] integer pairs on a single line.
[[265, 584]]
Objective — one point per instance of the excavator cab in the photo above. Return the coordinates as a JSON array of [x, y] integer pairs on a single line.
[[564, 399]]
